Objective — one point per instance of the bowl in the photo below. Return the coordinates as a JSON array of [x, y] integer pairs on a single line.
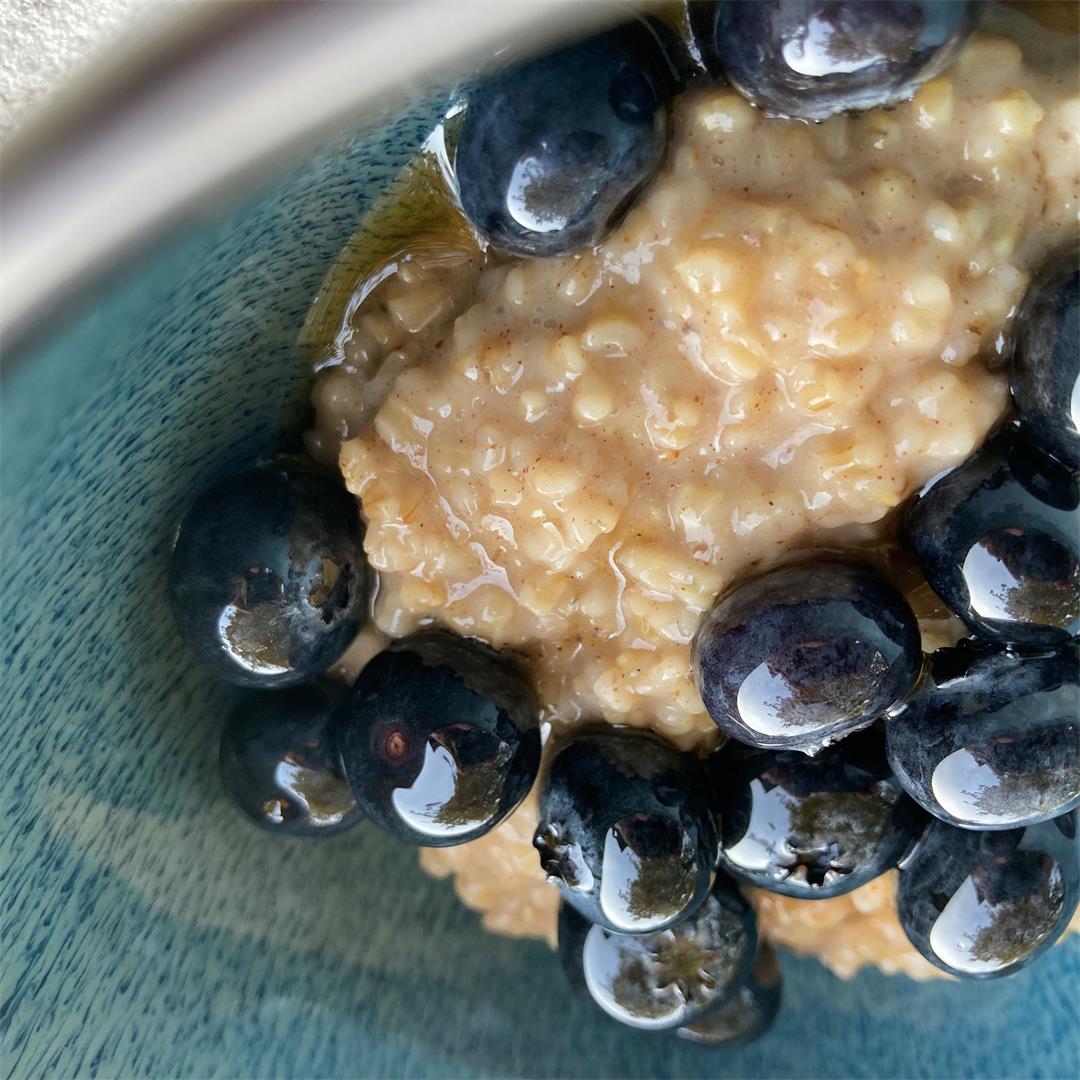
[[148, 930]]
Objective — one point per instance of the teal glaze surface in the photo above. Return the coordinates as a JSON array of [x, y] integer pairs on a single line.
[[145, 928]]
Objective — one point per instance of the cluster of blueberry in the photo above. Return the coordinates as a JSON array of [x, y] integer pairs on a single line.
[[842, 735], [439, 739]]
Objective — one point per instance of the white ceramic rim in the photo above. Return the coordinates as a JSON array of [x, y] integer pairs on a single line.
[[198, 104]]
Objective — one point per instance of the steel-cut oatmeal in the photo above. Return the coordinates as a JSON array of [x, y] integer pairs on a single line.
[[794, 328]]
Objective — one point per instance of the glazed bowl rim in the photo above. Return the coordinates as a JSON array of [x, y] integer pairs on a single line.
[[197, 102]]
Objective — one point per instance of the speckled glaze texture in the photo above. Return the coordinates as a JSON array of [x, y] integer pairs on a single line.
[[147, 929]]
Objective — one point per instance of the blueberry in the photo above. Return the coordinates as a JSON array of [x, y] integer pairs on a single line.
[[991, 740], [748, 1013], [268, 581], [553, 151], [280, 763], [626, 829], [998, 538], [1046, 358], [668, 978], [440, 739], [812, 59], [983, 904], [805, 654], [812, 827]]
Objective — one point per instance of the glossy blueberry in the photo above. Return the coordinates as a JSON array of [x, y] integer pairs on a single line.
[[268, 580], [991, 739], [805, 654], [440, 739], [1046, 357], [668, 978], [984, 904], [553, 151], [626, 829], [280, 763], [814, 58], [748, 1013], [998, 538], [812, 827]]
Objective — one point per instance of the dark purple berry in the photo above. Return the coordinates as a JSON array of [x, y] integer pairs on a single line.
[[805, 654], [984, 904], [626, 829], [440, 739], [268, 579], [280, 763], [812, 827], [669, 978], [991, 739]]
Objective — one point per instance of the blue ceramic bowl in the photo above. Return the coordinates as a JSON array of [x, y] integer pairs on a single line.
[[146, 928]]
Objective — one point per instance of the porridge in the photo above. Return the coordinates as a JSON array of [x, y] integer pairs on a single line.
[[794, 329], [699, 490]]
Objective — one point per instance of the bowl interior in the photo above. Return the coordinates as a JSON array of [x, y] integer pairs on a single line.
[[147, 929]]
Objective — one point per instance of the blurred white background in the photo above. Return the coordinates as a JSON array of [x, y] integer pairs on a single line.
[[42, 41]]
